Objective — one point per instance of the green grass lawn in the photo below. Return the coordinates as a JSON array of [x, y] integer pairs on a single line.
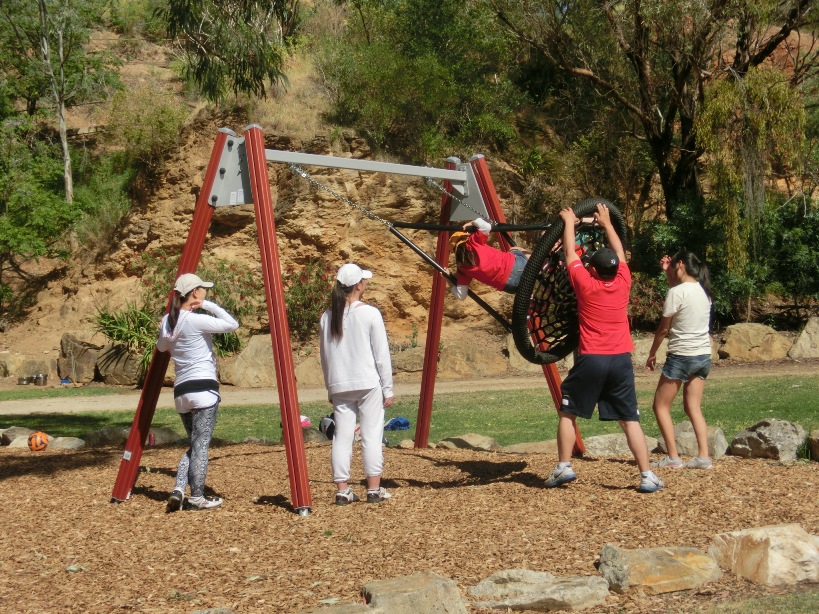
[[510, 416]]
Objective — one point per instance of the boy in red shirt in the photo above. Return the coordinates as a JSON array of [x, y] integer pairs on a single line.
[[602, 374]]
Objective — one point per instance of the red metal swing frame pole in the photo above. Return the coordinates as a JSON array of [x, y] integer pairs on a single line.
[[490, 199], [277, 315], [155, 377], [436, 313]]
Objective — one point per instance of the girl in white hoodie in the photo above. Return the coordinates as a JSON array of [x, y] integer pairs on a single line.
[[187, 335]]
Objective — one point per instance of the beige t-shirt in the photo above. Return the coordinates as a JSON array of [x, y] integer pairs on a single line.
[[689, 308]]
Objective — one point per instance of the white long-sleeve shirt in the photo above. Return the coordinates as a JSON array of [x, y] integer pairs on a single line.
[[191, 347], [360, 360]]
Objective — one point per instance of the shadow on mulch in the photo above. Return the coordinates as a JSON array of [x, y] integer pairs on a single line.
[[50, 464]]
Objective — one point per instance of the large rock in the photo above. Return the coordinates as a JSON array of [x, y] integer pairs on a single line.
[[470, 441], [78, 359], [657, 570], [753, 342], [117, 366], [533, 447], [773, 556], [807, 344], [254, 367], [613, 444], [523, 589], [773, 438], [687, 442], [14, 432], [426, 592], [813, 445], [462, 359]]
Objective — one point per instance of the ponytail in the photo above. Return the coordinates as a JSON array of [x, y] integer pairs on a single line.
[[695, 269], [338, 302], [173, 312]]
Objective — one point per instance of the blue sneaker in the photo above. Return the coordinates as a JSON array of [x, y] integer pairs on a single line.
[[560, 476], [650, 483]]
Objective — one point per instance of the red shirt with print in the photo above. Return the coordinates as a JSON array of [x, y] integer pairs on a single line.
[[493, 266]]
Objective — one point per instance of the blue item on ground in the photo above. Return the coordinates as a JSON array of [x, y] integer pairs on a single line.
[[399, 423]]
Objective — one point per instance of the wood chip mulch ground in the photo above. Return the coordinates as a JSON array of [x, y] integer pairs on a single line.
[[462, 514]]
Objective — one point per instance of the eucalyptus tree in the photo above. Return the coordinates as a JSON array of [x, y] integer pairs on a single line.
[[656, 61], [45, 59], [236, 46]]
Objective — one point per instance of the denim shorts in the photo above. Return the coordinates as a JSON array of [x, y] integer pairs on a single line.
[[517, 271], [685, 368]]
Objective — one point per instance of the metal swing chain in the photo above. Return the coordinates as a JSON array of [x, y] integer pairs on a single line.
[[461, 201], [305, 175]]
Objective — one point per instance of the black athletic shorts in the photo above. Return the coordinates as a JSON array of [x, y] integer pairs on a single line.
[[606, 380]]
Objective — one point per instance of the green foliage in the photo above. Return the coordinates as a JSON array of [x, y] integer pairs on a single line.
[[146, 118], [422, 77], [645, 307], [307, 296], [233, 47], [135, 328], [796, 252], [34, 216], [101, 194], [137, 18]]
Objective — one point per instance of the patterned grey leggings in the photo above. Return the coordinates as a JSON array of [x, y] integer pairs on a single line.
[[193, 466]]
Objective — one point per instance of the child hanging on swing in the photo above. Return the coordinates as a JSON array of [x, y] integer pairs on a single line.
[[475, 259]]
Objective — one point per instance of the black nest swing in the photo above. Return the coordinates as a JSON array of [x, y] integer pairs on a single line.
[[544, 315]]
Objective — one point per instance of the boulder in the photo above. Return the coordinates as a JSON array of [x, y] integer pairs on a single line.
[[613, 444], [523, 589], [66, 443], [813, 445], [656, 570], [687, 442], [14, 432], [253, 367], [78, 359], [773, 556], [460, 359], [426, 592], [752, 343], [109, 436], [773, 438], [535, 447], [807, 344], [470, 441], [117, 366], [308, 372]]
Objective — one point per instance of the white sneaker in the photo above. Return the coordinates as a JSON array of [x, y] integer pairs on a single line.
[[343, 497], [204, 503]]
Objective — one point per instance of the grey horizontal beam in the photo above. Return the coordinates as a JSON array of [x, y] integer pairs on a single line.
[[292, 157]]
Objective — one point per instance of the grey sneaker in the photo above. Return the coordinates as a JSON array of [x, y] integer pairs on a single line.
[[343, 497], [699, 463], [560, 476], [650, 483], [667, 461], [204, 503], [377, 496], [174, 501]]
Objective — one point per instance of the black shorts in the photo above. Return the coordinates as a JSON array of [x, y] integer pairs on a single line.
[[603, 380]]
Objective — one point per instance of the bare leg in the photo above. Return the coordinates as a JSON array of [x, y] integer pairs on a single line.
[[565, 436], [692, 402], [636, 443], [663, 398]]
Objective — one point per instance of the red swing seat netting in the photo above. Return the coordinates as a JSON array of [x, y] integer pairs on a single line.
[[544, 315]]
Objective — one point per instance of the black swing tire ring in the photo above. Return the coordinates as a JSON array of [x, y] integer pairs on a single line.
[[566, 335]]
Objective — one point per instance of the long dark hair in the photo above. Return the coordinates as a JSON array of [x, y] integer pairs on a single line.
[[338, 301], [176, 304], [464, 255], [695, 269]]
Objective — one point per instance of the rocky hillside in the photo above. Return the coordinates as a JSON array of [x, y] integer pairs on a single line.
[[310, 223]]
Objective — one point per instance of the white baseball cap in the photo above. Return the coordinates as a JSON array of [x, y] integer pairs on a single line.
[[350, 274], [188, 282]]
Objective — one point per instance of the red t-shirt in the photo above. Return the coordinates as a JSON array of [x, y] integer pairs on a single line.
[[602, 308], [493, 266]]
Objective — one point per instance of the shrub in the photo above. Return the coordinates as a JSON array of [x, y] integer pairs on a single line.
[[307, 296], [134, 327], [645, 307]]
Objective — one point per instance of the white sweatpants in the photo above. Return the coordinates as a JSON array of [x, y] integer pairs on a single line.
[[368, 407]]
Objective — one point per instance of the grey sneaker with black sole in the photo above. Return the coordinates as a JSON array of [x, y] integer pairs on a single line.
[[377, 496], [699, 463], [203, 503]]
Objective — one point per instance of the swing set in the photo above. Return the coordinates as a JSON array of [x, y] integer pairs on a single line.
[[544, 324]]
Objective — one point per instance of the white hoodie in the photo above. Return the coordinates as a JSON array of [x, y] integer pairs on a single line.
[[191, 347]]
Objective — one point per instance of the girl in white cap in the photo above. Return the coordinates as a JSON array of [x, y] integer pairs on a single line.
[[355, 358], [188, 337]]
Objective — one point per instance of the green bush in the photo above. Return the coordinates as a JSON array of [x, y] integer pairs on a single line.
[[149, 121], [307, 296], [134, 327]]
